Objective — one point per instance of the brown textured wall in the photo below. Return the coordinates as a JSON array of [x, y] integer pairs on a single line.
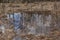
[[42, 8]]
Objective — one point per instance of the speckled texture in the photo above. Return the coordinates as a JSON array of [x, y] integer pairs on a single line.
[[35, 21]]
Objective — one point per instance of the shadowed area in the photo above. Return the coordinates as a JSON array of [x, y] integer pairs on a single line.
[[24, 1]]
